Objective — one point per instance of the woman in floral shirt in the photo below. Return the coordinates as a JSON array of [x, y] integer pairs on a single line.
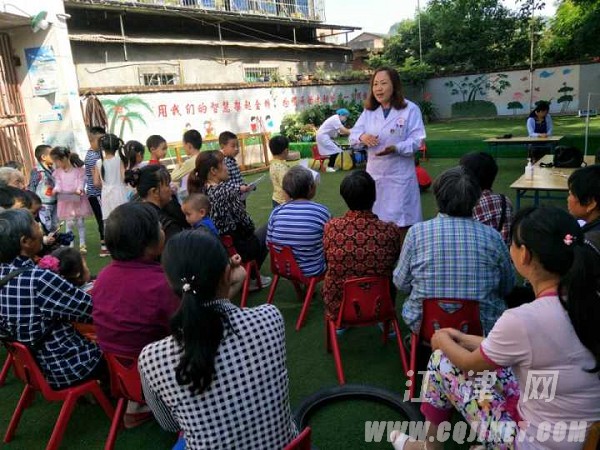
[[357, 244]]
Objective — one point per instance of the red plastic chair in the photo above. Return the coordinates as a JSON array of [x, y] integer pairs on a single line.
[[302, 441], [317, 157], [423, 150], [465, 319], [251, 267], [283, 264], [28, 371], [366, 301], [8, 362], [125, 384]]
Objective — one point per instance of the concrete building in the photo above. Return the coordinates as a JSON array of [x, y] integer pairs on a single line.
[[363, 46], [38, 86], [197, 42]]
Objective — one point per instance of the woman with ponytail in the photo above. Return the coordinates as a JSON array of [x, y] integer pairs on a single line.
[[152, 185], [227, 210], [110, 173], [73, 205], [221, 377], [535, 377]]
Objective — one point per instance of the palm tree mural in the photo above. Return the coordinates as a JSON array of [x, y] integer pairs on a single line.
[[123, 110]]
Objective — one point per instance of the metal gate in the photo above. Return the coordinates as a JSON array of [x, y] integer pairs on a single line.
[[14, 135]]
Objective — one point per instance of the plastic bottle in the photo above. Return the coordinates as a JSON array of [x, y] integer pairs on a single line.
[[529, 170]]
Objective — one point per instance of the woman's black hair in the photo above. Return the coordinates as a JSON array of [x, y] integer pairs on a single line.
[[65, 153], [358, 191], [539, 107], [482, 166], [130, 229], [555, 238], [70, 265], [130, 151], [10, 194], [112, 145], [199, 324], [204, 162], [146, 178], [584, 184]]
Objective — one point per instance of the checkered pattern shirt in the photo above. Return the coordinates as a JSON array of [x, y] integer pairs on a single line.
[[247, 405], [454, 257], [489, 212], [37, 308], [235, 175]]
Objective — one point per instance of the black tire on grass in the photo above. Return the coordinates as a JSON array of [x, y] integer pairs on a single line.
[[325, 396]]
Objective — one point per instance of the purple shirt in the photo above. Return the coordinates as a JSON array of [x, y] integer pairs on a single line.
[[132, 306]]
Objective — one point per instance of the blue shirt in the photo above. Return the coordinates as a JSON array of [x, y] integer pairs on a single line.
[[456, 258], [299, 225], [91, 157], [207, 223], [37, 308]]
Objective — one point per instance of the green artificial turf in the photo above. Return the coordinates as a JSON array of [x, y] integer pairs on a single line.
[[311, 368]]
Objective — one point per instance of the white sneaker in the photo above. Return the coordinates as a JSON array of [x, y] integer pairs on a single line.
[[265, 281], [331, 169]]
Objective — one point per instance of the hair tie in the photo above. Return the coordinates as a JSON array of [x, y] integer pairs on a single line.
[[49, 262], [187, 285], [568, 239]]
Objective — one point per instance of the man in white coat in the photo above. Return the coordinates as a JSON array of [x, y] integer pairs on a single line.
[[392, 129], [327, 132]]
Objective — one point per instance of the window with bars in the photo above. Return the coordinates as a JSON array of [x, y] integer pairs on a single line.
[[158, 79], [254, 74]]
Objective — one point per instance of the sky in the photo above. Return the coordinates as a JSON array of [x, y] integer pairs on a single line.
[[378, 16]]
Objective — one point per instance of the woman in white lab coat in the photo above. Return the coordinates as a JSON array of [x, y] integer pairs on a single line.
[[392, 129], [328, 131]]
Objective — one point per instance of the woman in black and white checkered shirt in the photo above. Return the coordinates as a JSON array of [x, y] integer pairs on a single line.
[[221, 377]]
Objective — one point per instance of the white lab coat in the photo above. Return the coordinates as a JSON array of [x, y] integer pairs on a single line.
[[398, 199], [329, 130]]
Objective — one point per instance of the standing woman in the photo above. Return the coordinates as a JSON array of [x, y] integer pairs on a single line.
[[539, 122], [392, 129], [327, 132]]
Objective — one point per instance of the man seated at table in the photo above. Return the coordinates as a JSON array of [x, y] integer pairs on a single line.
[[453, 256], [37, 306]]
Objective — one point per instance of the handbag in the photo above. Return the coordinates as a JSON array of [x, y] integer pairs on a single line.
[[567, 157]]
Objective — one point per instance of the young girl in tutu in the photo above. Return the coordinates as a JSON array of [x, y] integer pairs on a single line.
[[72, 203], [110, 172]]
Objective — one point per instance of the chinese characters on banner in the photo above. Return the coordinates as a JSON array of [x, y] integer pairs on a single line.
[[211, 112]]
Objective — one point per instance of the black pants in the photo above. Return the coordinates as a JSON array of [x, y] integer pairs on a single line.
[[332, 159], [253, 246], [97, 209]]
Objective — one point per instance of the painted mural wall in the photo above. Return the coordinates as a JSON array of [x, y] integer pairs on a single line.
[[506, 93], [170, 114]]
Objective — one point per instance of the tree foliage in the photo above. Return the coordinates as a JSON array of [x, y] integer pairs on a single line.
[[484, 35]]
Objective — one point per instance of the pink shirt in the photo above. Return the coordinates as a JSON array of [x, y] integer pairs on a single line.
[[68, 182], [539, 336], [132, 305]]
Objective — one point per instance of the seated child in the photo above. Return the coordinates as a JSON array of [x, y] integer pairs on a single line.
[[70, 264], [584, 197], [196, 209], [278, 168], [423, 177]]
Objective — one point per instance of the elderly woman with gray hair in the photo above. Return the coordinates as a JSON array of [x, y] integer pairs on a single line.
[[299, 223], [11, 177], [453, 256]]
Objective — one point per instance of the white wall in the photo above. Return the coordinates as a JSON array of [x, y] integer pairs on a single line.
[[546, 85], [213, 111], [63, 105]]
